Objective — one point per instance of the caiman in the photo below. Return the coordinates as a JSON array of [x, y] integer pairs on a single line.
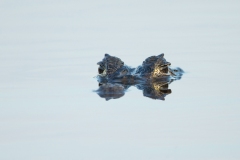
[[153, 77]]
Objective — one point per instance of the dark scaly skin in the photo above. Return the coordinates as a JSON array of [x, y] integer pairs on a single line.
[[153, 77]]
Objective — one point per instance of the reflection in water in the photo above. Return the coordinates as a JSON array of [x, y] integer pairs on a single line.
[[155, 90], [111, 91], [152, 77]]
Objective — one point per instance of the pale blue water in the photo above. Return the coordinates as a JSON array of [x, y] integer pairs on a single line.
[[48, 56]]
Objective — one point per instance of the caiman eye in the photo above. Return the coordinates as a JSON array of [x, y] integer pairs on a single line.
[[124, 71], [165, 70], [100, 71], [168, 91]]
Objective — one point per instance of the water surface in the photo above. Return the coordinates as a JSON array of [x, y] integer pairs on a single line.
[[48, 56]]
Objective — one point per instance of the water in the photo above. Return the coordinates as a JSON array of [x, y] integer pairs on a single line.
[[48, 56]]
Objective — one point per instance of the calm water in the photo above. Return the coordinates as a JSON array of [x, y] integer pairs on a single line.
[[48, 56]]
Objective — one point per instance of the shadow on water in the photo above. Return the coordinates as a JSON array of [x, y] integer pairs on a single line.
[[153, 77]]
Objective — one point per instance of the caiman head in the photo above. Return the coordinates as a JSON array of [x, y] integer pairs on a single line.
[[155, 67], [161, 67], [109, 65]]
